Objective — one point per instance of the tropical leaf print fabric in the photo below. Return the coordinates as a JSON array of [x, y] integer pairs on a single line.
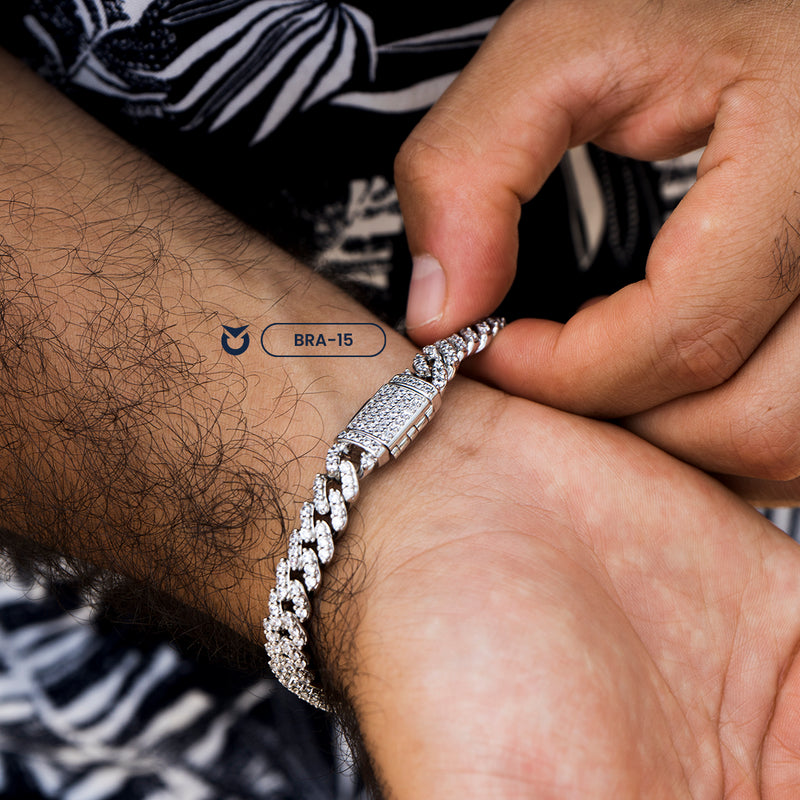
[[275, 56]]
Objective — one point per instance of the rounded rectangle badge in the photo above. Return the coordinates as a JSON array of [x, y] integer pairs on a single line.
[[323, 340]]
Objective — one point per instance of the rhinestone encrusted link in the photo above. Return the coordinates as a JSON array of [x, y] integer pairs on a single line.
[[296, 595], [282, 573], [470, 338], [295, 549], [320, 495], [324, 541], [449, 354], [484, 331], [286, 626], [430, 352], [366, 463], [333, 460], [297, 635], [312, 575], [348, 480], [301, 607], [460, 346], [420, 366], [439, 377], [274, 605], [338, 510], [307, 521]]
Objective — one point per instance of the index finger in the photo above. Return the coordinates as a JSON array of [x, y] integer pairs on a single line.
[[721, 272]]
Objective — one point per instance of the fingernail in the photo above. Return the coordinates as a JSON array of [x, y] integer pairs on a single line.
[[426, 292]]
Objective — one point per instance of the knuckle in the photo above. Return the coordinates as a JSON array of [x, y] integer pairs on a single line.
[[700, 359], [432, 153], [408, 155], [768, 446], [417, 162]]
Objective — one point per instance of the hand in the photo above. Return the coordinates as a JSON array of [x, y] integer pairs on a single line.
[[700, 355], [602, 622]]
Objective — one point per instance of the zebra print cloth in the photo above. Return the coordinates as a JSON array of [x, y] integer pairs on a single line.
[[85, 715]]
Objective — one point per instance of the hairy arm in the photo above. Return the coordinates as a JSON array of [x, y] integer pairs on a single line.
[[128, 439]]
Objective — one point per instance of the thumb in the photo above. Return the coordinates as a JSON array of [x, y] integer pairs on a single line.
[[462, 233], [461, 178], [485, 148]]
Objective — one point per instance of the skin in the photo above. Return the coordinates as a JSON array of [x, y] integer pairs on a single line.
[[699, 357], [636, 652], [641, 618]]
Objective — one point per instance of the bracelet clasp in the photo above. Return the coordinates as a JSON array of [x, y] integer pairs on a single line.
[[391, 419]]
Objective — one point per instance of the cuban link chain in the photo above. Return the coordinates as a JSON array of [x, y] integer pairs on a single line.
[[384, 426]]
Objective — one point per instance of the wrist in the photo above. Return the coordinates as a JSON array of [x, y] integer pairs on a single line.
[[386, 534]]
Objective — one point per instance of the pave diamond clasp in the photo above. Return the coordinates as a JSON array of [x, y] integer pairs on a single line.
[[391, 419]]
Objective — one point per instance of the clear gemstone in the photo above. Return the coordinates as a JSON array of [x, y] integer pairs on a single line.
[[417, 384], [459, 344], [367, 463], [332, 461], [288, 663], [449, 353], [289, 652], [273, 637], [420, 366], [301, 607], [295, 550], [294, 629], [317, 698], [307, 522], [439, 378], [282, 579], [274, 605], [431, 353], [483, 331], [388, 412], [284, 625], [363, 441], [311, 571], [470, 339]]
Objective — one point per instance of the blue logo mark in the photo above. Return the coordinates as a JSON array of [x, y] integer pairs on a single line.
[[235, 333]]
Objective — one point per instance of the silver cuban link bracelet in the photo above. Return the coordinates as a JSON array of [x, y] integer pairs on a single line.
[[384, 426]]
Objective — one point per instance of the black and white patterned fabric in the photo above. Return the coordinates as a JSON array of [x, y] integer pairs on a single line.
[[289, 113], [85, 714]]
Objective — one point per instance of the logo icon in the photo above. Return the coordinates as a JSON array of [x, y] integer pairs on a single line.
[[235, 333]]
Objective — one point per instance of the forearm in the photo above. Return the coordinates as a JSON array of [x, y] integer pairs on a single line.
[[129, 438]]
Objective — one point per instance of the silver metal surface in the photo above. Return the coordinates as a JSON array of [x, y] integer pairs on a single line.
[[382, 428]]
